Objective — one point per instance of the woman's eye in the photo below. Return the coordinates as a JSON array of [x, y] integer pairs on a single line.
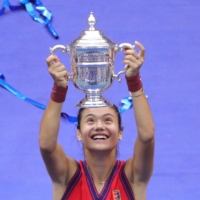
[[108, 120], [90, 120]]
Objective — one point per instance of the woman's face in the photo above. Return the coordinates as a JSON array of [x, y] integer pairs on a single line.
[[99, 129]]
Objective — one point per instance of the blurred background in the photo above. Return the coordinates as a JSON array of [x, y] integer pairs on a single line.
[[170, 32]]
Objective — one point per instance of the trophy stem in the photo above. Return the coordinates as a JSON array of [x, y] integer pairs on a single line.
[[93, 98]]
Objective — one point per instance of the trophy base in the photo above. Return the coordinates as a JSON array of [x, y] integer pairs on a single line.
[[89, 104], [93, 99]]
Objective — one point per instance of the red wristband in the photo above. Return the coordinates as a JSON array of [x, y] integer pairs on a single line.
[[58, 94], [134, 83]]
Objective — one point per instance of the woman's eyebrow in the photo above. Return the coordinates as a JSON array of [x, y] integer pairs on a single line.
[[108, 114], [92, 115], [89, 115]]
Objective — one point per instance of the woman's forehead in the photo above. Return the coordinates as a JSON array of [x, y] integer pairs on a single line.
[[99, 111]]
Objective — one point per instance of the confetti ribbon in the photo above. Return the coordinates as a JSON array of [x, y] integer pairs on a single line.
[[127, 104], [43, 11], [9, 88], [6, 4]]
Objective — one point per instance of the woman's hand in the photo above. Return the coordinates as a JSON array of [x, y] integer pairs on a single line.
[[57, 70], [134, 60]]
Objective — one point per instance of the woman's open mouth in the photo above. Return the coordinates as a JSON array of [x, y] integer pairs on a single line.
[[99, 137]]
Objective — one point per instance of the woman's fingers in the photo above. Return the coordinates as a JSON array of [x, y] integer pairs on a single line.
[[134, 59], [130, 52], [52, 59], [133, 55], [58, 67], [142, 49], [57, 70]]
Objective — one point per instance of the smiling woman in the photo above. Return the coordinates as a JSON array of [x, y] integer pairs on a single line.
[[100, 175], [99, 126], [108, 119]]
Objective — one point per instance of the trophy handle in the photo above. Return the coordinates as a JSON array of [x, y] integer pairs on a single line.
[[64, 50], [120, 48]]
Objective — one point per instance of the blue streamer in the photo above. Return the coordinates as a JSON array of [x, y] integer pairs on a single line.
[[6, 4], [28, 100], [18, 94], [70, 118], [43, 11], [127, 104]]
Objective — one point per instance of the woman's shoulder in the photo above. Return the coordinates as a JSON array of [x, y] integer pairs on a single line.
[[73, 166], [128, 169]]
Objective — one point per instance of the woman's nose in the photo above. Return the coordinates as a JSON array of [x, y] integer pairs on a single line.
[[99, 125]]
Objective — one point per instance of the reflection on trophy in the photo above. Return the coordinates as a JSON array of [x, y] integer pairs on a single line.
[[92, 64]]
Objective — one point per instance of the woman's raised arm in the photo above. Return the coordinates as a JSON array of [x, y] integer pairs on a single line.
[[57, 163], [141, 164]]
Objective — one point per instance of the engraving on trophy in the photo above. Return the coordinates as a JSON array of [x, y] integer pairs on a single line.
[[92, 55], [93, 77], [93, 68]]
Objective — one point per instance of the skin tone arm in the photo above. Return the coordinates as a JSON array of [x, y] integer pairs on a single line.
[[139, 168], [57, 163]]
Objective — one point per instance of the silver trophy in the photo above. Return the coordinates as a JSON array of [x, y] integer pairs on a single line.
[[92, 64]]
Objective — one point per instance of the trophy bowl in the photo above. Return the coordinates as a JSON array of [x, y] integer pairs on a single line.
[[92, 64]]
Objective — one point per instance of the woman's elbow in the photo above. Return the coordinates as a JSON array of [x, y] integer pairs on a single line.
[[45, 145], [147, 135]]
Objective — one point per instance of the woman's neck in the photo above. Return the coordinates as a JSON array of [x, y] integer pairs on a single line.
[[100, 165]]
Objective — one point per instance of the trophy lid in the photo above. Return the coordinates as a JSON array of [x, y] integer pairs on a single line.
[[92, 37]]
